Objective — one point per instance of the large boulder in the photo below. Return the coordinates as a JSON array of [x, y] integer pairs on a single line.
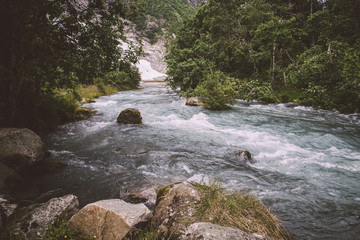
[[193, 101], [176, 206], [20, 148], [8, 178], [110, 219], [209, 231], [32, 222], [130, 116]]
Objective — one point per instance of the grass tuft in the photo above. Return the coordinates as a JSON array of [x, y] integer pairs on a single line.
[[61, 230], [237, 210], [93, 91]]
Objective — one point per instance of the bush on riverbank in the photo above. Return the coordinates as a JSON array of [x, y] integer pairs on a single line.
[[63, 106], [216, 91]]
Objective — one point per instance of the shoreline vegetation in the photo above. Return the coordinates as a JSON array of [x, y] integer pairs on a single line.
[[236, 210], [66, 105]]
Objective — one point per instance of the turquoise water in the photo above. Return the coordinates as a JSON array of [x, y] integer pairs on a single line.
[[307, 168]]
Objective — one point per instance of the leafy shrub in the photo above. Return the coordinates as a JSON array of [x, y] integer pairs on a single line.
[[254, 90], [317, 97], [216, 92], [55, 109], [329, 75]]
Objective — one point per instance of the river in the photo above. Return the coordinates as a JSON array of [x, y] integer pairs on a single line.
[[307, 168]]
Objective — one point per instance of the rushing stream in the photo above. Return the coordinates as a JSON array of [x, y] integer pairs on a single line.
[[307, 168]]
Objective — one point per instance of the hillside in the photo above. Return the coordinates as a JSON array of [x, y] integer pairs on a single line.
[[162, 16]]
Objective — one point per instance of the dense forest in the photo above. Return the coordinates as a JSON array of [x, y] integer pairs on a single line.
[[50, 48], [307, 52]]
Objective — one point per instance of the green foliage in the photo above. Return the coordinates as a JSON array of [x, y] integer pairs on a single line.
[[120, 79], [253, 89], [310, 48], [153, 34], [216, 91], [53, 109], [237, 210], [49, 45], [330, 76], [165, 14]]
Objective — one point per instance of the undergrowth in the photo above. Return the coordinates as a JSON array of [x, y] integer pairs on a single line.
[[237, 210]]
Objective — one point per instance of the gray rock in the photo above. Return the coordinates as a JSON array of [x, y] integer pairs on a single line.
[[176, 205], [32, 222], [130, 116], [20, 148], [244, 156], [209, 231], [8, 177], [110, 219], [7, 208], [193, 102]]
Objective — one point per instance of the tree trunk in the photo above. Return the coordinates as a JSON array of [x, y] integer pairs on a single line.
[[273, 64]]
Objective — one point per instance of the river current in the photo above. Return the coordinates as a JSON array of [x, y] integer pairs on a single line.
[[307, 168]]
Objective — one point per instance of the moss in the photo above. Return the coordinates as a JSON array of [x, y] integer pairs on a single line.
[[162, 192], [83, 113]]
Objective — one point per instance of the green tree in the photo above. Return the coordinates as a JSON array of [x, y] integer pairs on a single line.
[[50, 44], [329, 76], [216, 91]]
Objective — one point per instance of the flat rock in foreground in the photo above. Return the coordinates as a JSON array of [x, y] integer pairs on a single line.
[[109, 219]]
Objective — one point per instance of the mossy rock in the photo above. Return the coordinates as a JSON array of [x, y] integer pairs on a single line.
[[130, 116], [162, 192], [82, 113], [194, 102]]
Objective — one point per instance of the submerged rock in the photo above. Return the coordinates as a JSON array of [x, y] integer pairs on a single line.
[[20, 148], [193, 101], [32, 222], [130, 116], [86, 100], [110, 219], [209, 231], [82, 113], [244, 156]]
